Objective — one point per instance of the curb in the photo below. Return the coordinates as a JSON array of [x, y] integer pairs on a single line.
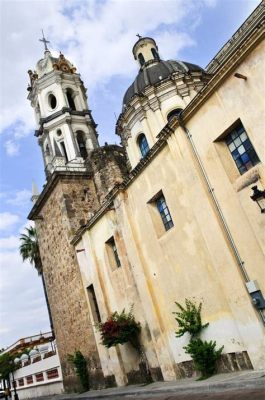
[[256, 383]]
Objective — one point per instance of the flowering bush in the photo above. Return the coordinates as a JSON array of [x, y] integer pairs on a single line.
[[119, 329]]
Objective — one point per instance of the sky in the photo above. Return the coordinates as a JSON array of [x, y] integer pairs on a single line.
[[97, 36]]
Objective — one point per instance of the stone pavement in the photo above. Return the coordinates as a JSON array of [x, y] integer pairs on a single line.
[[236, 381]]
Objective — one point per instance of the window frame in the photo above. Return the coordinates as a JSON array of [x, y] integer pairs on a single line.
[[241, 148], [113, 254], [93, 303], [143, 147], [174, 113], [70, 99], [81, 143], [164, 212], [141, 59]]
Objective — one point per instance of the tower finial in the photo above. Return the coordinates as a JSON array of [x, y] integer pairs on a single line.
[[139, 36], [44, 41]]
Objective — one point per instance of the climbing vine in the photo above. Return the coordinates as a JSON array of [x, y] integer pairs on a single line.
[[204, 354], [80, 364]]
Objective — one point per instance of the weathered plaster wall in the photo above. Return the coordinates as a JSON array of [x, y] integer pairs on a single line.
[[193, 259]]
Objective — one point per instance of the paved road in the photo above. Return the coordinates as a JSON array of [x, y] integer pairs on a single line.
[[245, 394]]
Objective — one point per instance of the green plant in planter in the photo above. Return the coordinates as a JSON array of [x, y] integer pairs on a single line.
[[204, 355], [119, 329], [189, 319], [80, 364]]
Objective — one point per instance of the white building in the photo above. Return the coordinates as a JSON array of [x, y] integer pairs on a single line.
[[39, 373]]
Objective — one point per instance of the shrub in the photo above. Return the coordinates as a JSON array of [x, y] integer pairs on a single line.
[[80, 364], [204, 355], [119, 329], [189, 319]]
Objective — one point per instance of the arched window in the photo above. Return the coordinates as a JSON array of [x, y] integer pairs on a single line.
[[64, 151], [81, 144], [143, 145], [141, 59], [47, 150], [174, 113], [155, 54], [69, 95]]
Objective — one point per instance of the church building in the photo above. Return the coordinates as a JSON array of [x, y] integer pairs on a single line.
[[175, 212]]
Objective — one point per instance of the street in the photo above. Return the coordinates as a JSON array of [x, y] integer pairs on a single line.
[[245, 394]]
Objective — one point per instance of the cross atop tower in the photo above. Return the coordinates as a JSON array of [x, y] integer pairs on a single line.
[[44, 41], [139, 36]]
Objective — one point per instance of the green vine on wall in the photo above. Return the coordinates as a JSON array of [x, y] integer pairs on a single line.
[[80, 364], [204, 354], [189, 319]]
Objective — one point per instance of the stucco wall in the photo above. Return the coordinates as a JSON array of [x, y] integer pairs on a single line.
[[193, 259]]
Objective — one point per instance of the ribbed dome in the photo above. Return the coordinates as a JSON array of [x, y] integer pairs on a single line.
[[155, 73]]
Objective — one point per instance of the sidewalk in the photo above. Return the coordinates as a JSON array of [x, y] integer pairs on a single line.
[[217, 383]]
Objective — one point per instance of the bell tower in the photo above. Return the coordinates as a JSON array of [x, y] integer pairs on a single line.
[[67, 136], [66, 130]]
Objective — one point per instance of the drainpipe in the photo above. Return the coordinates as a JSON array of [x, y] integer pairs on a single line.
[[229, 236]]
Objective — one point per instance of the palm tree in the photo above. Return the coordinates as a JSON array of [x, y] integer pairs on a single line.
[[29, 250]]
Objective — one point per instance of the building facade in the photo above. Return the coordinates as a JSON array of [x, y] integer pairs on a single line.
[[38, 371], [166, 217]]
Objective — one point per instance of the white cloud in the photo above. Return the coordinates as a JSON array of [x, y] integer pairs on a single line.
[[96, 36], [11, 242], [8, 220], [21, 198], [12, 147], [22, 305]]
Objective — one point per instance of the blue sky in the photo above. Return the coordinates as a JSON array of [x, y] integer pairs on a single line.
[[97, 36]]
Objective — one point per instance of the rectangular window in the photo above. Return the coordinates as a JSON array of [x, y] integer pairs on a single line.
[[113, 253], [241, 149], [164, 212], [21, 382], [39, 377], [52, 374], [93, 303], [29, 379]]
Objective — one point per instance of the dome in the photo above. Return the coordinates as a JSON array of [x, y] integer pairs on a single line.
[[155, 73], [16, 360], [44, 348], [33, 352], [24, 357]]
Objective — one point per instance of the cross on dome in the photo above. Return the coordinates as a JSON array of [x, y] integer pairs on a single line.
[[45, 41], [139, 36]]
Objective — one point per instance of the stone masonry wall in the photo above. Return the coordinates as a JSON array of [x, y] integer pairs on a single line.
[[108, 164], [64, 211]]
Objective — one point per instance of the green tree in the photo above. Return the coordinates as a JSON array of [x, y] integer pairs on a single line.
[[6, 365], [29, 250]]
